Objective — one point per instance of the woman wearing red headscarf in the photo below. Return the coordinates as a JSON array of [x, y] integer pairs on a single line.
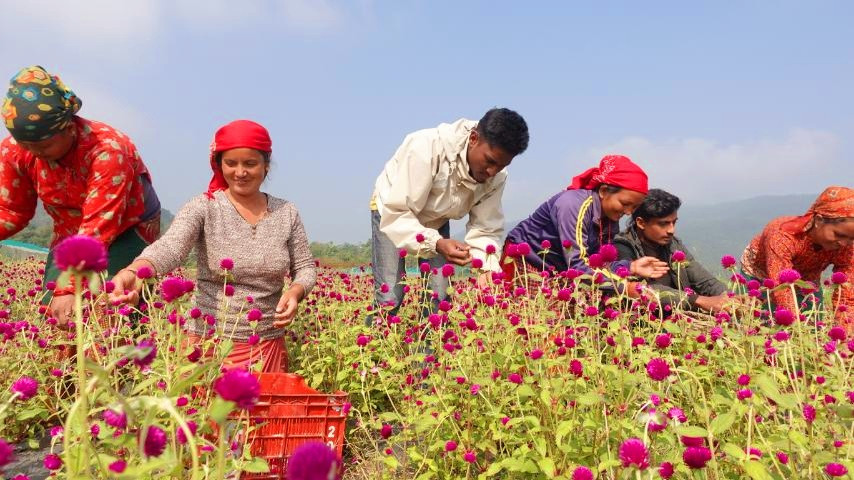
[[244, 237], [810, 243], [574, 224]]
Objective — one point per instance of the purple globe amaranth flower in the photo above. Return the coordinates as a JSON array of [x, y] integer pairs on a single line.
[[744, 394], [52, 462], [789, 276], [182, 437], [783, 457], [470, 456], [385, 431], [634, 452], [254, 315], [809, 413], [25, 387], [239, 386], [7, 453], [743, 380], [155, 441], [837, 333], [515, 378], [728, 261], [838, 278], [314, 461], [115, 419], [226, 264], [582, 473], [118, 466], [536, 354], [658, 369], [362, 340], [149, 357], [596, 261], [447, 270], [523, 249], [144, 273], [663, 340], [696, 457], [81, 253], [835, 470], [665, 470], [783, 317], [678, 256], [450, 446], [173, 288], [608, 252]]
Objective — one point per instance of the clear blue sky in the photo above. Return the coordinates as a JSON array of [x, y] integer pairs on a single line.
[[717, 100]]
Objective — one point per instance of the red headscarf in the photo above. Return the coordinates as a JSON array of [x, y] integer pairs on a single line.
[[617, 170], [237, 134], [834, 202]]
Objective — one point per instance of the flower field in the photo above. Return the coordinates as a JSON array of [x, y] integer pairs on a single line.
[[550, 376]]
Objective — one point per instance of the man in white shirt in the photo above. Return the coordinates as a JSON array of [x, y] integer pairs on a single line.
[[438, 174]]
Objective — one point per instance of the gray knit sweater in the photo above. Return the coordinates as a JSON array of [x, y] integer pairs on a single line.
[[263, 256]]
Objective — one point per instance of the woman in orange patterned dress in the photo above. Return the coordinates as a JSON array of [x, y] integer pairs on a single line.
[[809, 244]]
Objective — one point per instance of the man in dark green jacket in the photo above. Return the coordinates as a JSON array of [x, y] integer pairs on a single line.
[[651, 232]]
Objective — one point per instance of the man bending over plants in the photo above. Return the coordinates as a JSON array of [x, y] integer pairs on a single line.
[[436, 175]]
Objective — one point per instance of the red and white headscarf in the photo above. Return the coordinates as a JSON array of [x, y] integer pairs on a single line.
[[237, 134], [617, 170]]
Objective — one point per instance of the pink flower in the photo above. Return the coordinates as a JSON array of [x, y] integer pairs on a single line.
[[809, 413], [743, 380], [783, 317], [470, 456], [515, 378], [783, 457], [253, 339], [744, 394], [523, 249], [596, 261], [7, 453], [837, 333], [314, 461], [663, 340], [536, 354], [634, 452], [835, 470], [678, 256], [490, 249], [447, 270], [582, 473], [474, 389], [658, 369], [118, 466], [144, 273], [419, 237], [155, 441], [696, 457], [362, 340], [25, 387], [52, 462], [115, 419], [728, 261], [838, 278], [476, 263], [172, 288], [229, 290], [665, 470], [239, 386], [226, 264], [146, 344], [789, 276], [450, 446], [576, 367], [182, 437], [81, 253], [385, 431], [254, 315], [608, 253]]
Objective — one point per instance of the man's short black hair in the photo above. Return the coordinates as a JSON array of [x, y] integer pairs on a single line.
[[505, 129], [657, 204]]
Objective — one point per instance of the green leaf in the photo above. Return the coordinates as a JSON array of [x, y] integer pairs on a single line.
[[220, 409], [722, 422], [547, 465], [734, 451], [562, 430], [516, 465], [94, 283], [525, 391], [692, 431], [29, 413], [798, 438], [589, 399], [257, 465], [492, 470], [391, 462], [756, 470]]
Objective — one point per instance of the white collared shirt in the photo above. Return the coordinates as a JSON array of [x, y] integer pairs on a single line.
[[427, 182]]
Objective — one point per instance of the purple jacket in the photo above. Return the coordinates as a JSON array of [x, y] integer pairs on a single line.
[[555, 221]]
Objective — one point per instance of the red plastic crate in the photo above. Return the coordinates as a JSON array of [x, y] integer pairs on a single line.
[[291, 413]]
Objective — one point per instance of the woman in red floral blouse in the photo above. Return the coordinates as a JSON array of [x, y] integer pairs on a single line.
[[88, 176], [810, 243]]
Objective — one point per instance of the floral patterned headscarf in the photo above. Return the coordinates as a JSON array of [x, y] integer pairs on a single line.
[[38, 105]]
